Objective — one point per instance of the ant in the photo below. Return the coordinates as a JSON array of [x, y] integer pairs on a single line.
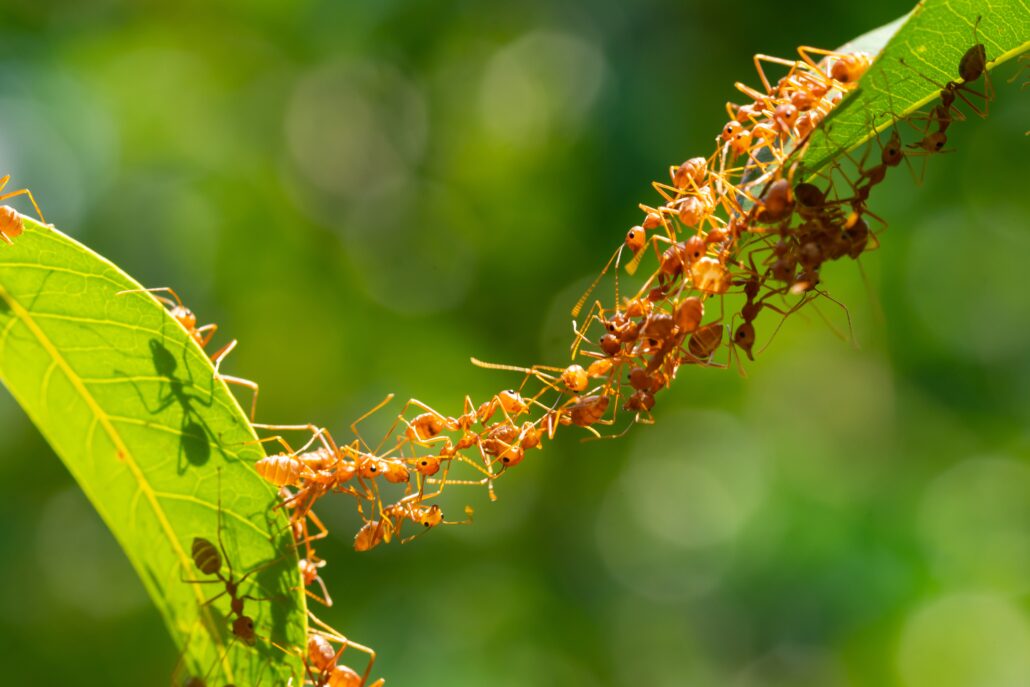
[[411, 507], [972, 65], [209, 559]]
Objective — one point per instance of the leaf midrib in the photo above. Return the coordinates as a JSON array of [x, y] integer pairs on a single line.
[[124, 454]]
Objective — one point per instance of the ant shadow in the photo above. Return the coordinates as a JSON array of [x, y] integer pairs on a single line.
[[273, 579], [195, 435]]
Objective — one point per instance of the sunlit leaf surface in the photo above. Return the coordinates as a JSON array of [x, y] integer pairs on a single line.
[[129, 402]]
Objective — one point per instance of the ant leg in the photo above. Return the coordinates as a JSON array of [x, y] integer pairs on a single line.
[[183, 578], [616, 256], [246, 383], [221, 545], [221, 659], [158, 289], [21, 192], [290, 451], [535, 371], [320, 433], [368, 414], [580, 336], [206, 333], [216, 596], [325, 599], [632, 265], [804, 51], [222, 353]]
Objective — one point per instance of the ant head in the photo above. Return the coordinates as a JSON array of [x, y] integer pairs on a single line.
[[892, 153], [696, 247], [428, 465], [512, 456], [610, 344], [740, 143], [431, 517], [243, 627], [369, 468], [731, 131], [786, 115], [745, 338], [636, 239]]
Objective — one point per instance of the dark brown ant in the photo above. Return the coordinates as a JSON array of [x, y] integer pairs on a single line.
[[209, 560], [972, 65]]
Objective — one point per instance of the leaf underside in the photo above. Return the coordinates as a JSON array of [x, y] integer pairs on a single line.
[[931, 40], [129, 402]]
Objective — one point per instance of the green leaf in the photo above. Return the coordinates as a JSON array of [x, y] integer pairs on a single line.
[[129, 402], [932, 41]]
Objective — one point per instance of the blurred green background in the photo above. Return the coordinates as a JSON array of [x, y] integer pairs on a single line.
[[366, 194]]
